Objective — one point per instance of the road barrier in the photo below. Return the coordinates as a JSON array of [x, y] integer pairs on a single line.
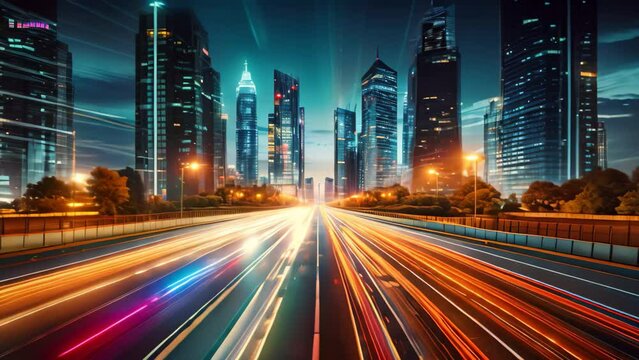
[[21, 233], [598, 250]]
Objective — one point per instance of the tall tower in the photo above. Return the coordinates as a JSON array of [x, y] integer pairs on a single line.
[[345, 160], [36, 97], [286, 128], [190, 125], [434, 85], [549, 90], [379, 125], [492, 151], [246, 130]]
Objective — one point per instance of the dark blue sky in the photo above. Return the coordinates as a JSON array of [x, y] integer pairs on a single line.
[[328, 45]]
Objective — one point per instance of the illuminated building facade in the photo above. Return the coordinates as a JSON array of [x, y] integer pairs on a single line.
[[286, 135], [246, 130], [549, 91], [329, 189], [602, 145], [190, 126], [379, 126], [345, 164], [492, 151], [434, 93], [36, 97]]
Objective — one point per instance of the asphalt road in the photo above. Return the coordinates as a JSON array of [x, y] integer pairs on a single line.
[[308, 283]]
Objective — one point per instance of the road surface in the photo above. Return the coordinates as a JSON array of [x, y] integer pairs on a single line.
[[308, 283]]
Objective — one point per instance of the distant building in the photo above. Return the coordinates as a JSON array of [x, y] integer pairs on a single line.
[[549, 91], [286, 135], [345, 164], [190, 126], [602, 145], [434, 95], [231, 177], [379, 125], [408, 137], [36, 97], [492, 153], [329, 189], [309, 190], [246, 130]]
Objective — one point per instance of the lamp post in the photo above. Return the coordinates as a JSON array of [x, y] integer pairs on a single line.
[[434, 172], [193, 166], [474, 158]]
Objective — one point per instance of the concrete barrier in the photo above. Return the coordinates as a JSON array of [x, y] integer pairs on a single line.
[[582, 248], [520, 239], [601, 251], [534, 241], [549, 243], [625, 254], [564, 246]]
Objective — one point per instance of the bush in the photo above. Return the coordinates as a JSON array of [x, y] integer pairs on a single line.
[[195, 201], [417, 210], [160, 206], [214, 200]]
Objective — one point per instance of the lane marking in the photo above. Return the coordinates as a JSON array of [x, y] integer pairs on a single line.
[[316, 332]]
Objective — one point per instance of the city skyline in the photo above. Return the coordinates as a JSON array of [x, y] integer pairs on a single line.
[[477, 38]]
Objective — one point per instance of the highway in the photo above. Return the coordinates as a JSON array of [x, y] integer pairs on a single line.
[[308, 283]]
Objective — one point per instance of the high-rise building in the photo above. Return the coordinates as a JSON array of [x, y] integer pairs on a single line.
[[492, 152], [246, 130], [345, 165], [361, 150], [602, 145], [434, 86], [549, 91], [408, 136], [190, 126], [286, 133], [36, 97], [329, 189], [309, 190], [379, 125]]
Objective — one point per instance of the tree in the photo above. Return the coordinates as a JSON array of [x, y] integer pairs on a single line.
[[137, 192], [47, 195], [629, 203], [635, 176], [541, 196], [602, 192], [464, 197], [571, 188], [109, 189]]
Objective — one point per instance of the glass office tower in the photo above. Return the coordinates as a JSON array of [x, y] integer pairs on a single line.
[[246, 130], [492, 151], [434, 83], [36, 97], [549, 89], [190, 123], [379, 125], [345, 165]]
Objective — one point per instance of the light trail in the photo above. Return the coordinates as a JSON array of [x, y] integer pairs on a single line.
[[525, 318]]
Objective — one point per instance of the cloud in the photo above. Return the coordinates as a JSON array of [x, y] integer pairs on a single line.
[[621, 35], [618, 83]]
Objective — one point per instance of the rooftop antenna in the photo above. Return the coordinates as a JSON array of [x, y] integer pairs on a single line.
[[245, 66], [377, 55]]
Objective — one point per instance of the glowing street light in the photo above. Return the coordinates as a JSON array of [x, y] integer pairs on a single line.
[[155, 5], [192, 166], [434, 172]]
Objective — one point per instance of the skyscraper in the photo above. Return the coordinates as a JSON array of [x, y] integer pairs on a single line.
[[309, 190], [379, 125], [408, 136], [492, 120], [190, 125], [36, 97], [345, 165], [286, 130], [329, 189], [549, 90], [602, 145], [246, 130], [434, 88]]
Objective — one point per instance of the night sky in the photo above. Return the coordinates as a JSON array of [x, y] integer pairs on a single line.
[[329, 45]]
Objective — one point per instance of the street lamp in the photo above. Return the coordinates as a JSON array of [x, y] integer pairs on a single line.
[[192, 166], [155, 5], [474, 158], [434, 172]]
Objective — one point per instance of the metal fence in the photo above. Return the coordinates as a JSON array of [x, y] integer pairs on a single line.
[[608, 232], [41, 224]]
